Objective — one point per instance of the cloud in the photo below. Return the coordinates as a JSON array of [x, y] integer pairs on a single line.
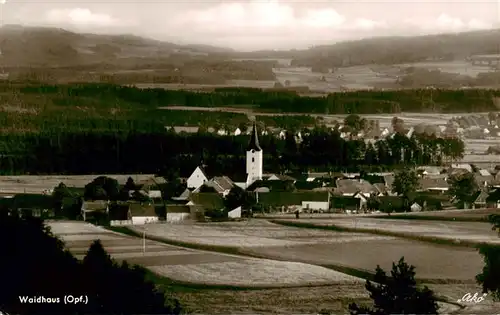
[[446, 23], [80, 17], [273, 21]]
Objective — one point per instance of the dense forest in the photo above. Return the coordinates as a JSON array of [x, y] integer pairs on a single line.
[[357, 102], [169, 153]]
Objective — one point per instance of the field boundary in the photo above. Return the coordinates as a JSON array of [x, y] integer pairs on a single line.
[[421, 238], [355, 272], [428, 218]]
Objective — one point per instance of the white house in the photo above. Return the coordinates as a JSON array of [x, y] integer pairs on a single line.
[[222, 132], [235, 213], [197, 178], [316, 205], [255, 157], [143, 213], [282, 134], [415, 207]]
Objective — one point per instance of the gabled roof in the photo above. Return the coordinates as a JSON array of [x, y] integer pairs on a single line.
[[178, 209], [432, 183], [291, 198], [142, 210], [481, 196], [254, 140], [210, 201], [351, 186], [184, 196], [96, 205], [223, 181]]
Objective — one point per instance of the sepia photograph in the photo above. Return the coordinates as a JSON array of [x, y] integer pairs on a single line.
[[243, 157]]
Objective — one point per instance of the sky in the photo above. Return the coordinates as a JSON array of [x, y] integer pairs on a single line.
[[256, 24]]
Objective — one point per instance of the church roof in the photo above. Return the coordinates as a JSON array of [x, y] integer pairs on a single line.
[[254, 140]]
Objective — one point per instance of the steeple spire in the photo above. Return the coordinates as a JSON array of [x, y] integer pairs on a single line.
[[254, 140]]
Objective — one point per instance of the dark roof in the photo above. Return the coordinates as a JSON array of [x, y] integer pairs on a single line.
[[142, 210], [178, 209], [291, 198], [210, 201], [254, 140], [98, 205], [342, 202], [33, 201], [27, 201], [273, 185]]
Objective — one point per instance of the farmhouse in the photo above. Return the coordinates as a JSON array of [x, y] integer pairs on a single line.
[[197, 178], [291, 201], [35, 205]]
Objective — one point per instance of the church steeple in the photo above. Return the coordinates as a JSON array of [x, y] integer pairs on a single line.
[[254, 140]]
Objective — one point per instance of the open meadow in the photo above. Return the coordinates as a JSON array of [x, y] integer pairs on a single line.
[[468, 232], [360, 251], [445, 215], [195, 266]]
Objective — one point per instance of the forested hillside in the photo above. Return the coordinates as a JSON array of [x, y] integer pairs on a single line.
[[395, 50], [99, 128], [107, 96]]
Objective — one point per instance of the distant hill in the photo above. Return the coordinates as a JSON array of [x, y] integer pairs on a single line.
[[391, 50], [23, 46]]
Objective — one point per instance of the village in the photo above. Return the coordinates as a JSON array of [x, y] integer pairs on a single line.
[[199, 195]]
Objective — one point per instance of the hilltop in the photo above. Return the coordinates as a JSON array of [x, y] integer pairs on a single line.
[[391, 50], [45, 46]]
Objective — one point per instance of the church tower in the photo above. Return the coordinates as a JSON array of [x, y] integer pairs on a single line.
[[255, 157]]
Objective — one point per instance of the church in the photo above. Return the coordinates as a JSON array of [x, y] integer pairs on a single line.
[[255, 158]]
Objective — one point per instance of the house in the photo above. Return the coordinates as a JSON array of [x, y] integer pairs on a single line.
[[429, 170], [184, 196], [150, 186], [221, 184], [480, 199], [291, 201], [197, 178], [235, 213], [493, 199], [209, 201], [349, 187], [222, 132], [415, 207], [391, 204], [119, 214], [281, 177], [236, 132], [179, 213], [36, 205], [437, 184], [143, 213], [345, 203], [94, 210], [185, 129], [272, 185], [320, 204]]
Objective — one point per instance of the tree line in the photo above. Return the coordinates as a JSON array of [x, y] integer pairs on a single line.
[[320, 149], [356, 102]]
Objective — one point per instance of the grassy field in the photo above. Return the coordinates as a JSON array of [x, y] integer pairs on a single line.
[[458, 233], [195, 266], [184, 265], [349, 252], [477, 215]]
